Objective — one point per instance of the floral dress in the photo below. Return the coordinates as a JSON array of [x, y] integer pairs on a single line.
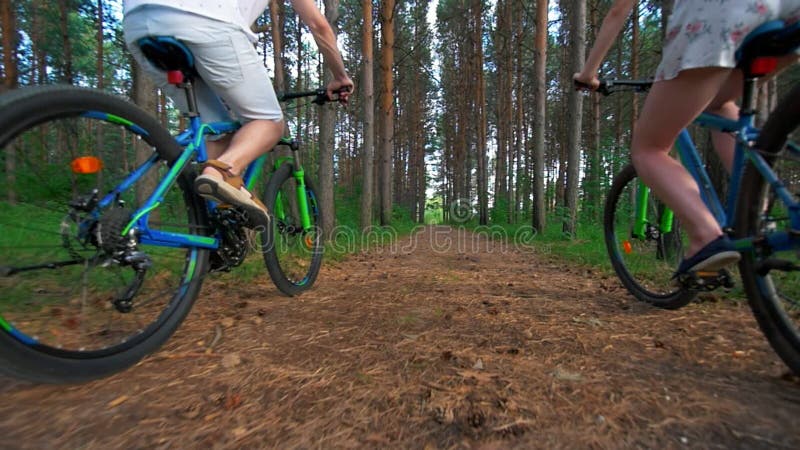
[[706, 33]]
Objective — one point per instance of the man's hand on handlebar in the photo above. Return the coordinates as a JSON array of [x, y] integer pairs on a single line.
[[584, 82], [340, 89]]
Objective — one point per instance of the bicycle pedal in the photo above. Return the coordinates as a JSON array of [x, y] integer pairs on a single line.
[[706, 281]]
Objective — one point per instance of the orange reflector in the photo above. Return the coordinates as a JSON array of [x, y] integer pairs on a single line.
[[86, 165], [309, 242], [627, 247]]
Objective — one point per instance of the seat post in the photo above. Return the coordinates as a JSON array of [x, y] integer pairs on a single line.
[[749, 96], [180, 80], [191, 99]]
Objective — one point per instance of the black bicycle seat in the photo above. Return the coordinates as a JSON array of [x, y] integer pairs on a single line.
[[168, 53], [770, 39]]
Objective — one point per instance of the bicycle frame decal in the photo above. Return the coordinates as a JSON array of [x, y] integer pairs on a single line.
[[190, 272], [253, 172], [116, 119]]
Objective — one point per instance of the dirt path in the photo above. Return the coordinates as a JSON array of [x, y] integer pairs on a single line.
[[424, 347]]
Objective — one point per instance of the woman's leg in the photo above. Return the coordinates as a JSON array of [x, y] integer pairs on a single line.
[[670, 107], [724, 105]]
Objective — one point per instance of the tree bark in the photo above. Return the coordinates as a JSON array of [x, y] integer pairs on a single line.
[[539, 119], [480, 113], [64, 10], [368, 93], [144, 95], [327, 142], [10, 79], [100, 68], [574, 110], [387, 108]]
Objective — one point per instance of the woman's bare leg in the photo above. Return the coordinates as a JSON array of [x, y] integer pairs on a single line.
[[724, 105], [670, 107]]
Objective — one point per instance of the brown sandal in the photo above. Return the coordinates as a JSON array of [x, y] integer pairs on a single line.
[[229, 190]]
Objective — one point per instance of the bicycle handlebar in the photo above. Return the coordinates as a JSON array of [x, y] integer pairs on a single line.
[[608, 87], [320, 95]]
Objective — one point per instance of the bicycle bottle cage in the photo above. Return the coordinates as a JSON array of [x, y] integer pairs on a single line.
[[757, 54], [170, 55]]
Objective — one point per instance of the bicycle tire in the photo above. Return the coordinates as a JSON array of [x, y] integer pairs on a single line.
[[774, 297], [644, 266], [66, 329], [293, 257]]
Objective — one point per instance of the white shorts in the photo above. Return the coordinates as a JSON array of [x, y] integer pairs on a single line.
[[708, 33], [234, 83]]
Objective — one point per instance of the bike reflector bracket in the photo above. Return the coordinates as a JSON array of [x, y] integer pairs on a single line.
[[86, 165], [174, 77], [763, 65]]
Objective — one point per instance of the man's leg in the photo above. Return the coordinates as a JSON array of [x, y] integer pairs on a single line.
[[251, 141]]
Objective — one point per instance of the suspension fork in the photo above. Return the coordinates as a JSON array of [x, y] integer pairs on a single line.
[[299, 175], [640, 221], [302, 199]]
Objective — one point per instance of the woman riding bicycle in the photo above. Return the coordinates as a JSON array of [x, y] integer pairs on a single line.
[[697, 73], [233, 80]]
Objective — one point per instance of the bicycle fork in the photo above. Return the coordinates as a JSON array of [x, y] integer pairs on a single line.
[[300, 189]]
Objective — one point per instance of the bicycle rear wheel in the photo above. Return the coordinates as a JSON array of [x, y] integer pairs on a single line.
[[643, 262], [80, 296], [292, 254], [774, 295]]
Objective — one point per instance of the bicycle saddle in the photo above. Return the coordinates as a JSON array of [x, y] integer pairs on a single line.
[[770, 39], [168, 54]]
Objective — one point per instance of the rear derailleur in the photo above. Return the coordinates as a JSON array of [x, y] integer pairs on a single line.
[[115, 248]]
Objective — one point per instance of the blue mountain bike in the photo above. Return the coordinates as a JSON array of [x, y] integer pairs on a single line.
[[762, 210], [104, 245]]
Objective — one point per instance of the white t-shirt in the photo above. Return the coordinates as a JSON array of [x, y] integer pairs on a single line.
[[239, 12]]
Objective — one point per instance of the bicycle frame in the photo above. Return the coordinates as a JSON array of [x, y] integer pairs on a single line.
[[192, 140], [746, 132]]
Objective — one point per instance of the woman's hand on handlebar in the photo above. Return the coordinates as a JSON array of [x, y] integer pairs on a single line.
[[586, 82], [340, 89]]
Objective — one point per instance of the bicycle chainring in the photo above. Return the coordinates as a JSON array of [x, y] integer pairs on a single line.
[[234, 242]]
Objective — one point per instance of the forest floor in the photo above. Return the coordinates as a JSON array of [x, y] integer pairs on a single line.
[[421, 346]]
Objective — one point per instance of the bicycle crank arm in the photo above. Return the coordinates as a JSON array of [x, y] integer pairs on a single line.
[[7, 271]]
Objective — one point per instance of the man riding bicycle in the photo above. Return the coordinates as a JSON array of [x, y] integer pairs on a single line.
[[233, 83]]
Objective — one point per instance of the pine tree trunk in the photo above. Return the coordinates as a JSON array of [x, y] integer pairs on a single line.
[[10, 76], [387, 108], [368, 94], [64, 10], [574, 111], [539, 119], [326, 139], [144, 95], [593, 188], [480, 115]]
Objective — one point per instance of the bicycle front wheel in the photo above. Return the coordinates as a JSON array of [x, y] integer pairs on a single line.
[[771, 272], [292, 249], [81, 296], [644, 244]]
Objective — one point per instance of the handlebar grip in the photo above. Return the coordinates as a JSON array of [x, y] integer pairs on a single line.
[[604, 88]]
